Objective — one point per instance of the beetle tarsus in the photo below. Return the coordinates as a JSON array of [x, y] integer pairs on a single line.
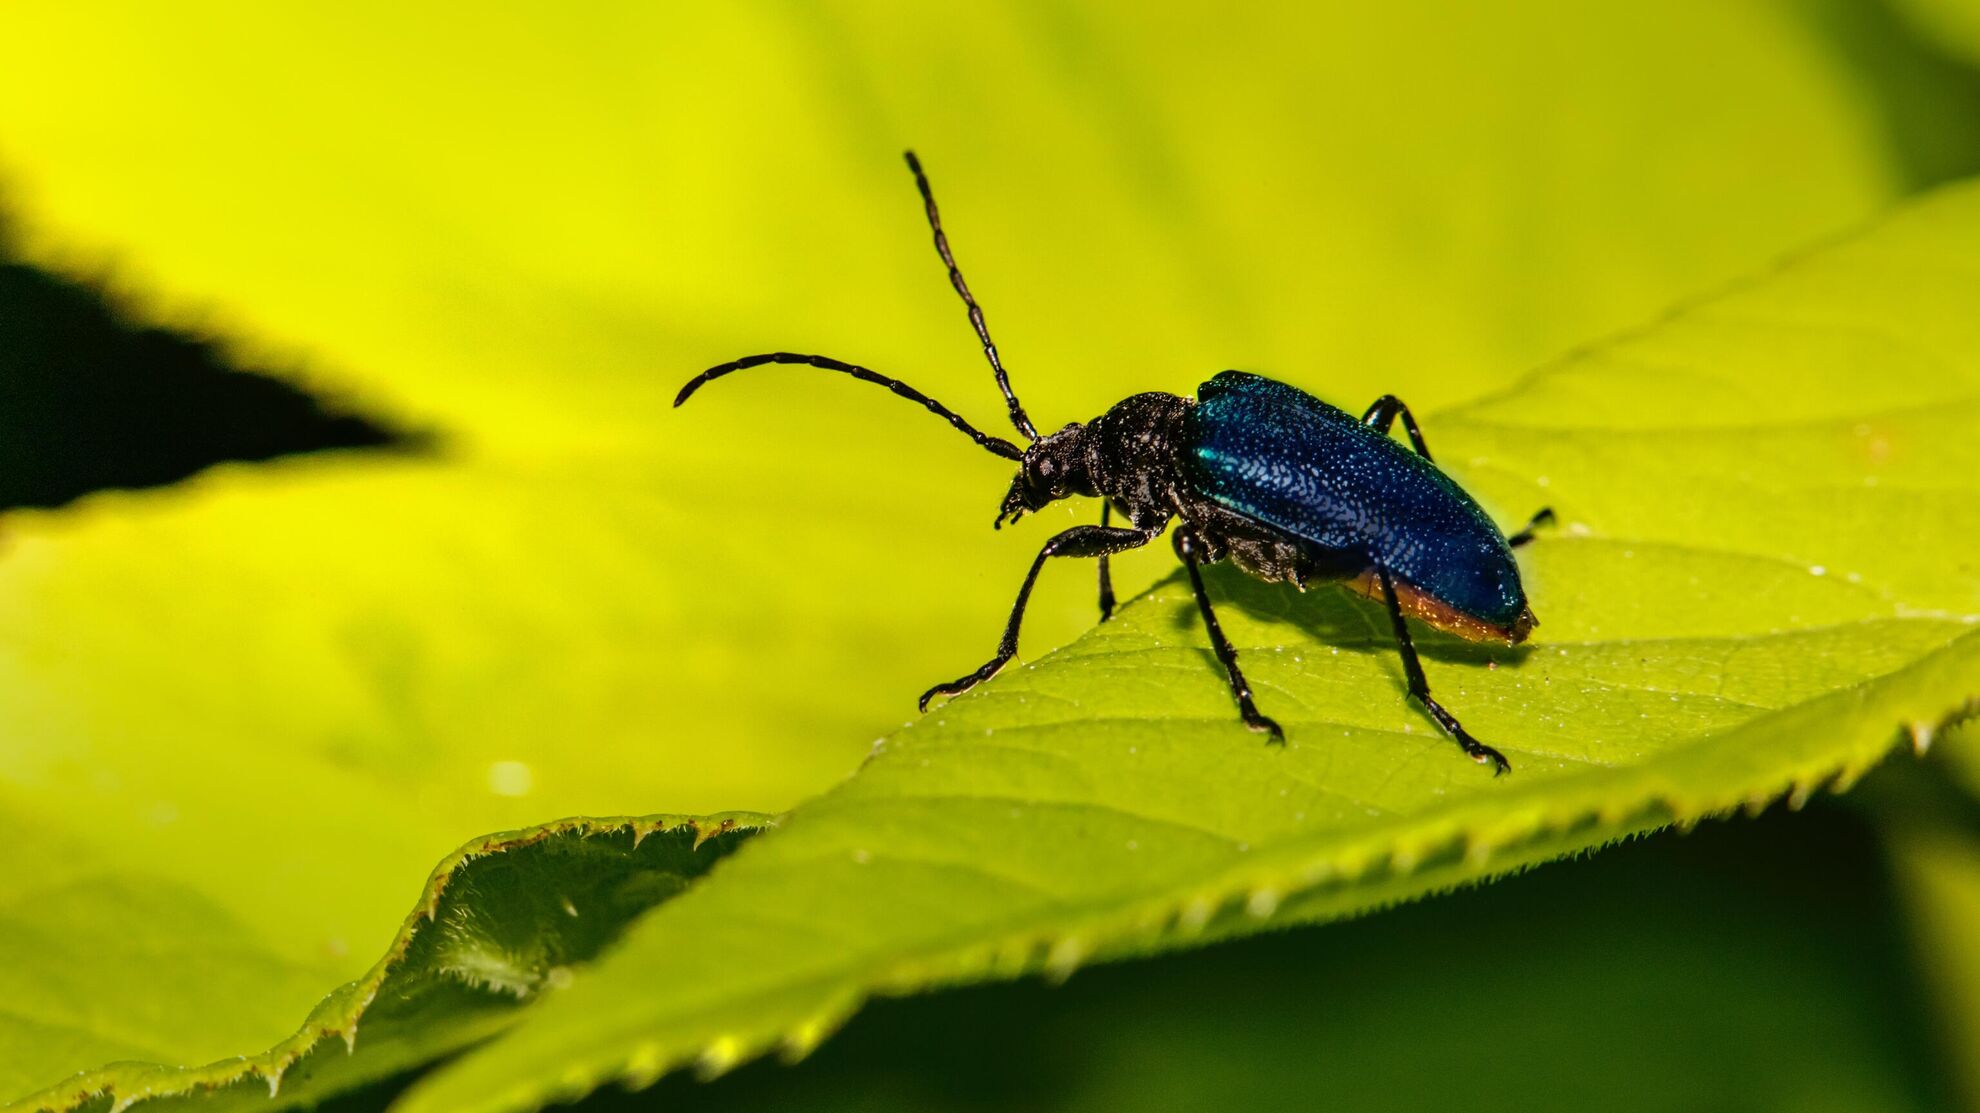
[[1419, 685], [1544, 516], [1079, 541], [1473, 748], [963, 684], [1481, 753]]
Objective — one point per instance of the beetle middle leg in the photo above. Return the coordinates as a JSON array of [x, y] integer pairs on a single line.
[[1079, 541], [1384, 413], [1419, 686], [1187, 548]]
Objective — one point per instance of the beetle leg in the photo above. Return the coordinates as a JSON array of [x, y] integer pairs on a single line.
[[1187, 544], [1106, 581], [1525, 534], [1420, 687], [1384, 413], [1079, 541]]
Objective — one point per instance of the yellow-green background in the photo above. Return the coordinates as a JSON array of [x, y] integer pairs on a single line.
[[268, 700]]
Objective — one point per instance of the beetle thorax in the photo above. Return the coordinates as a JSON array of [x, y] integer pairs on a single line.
[[1125, 456], [1131, 456]]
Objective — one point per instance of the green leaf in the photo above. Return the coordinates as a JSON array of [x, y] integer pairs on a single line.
[[1726, 620], [267, 702], [1754, 966], [280, 693], [502, 922], [1954, 25]]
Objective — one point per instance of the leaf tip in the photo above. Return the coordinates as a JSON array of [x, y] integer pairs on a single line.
[[718, 1058], [703, 832], [644, 1066], [803, 1039], [1065, 957], [1194, 914]]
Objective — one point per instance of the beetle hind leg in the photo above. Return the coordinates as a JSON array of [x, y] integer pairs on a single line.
[[1419, 686], [1187, 548]]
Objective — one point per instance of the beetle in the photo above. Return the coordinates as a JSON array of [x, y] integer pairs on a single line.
[[1285, 486]]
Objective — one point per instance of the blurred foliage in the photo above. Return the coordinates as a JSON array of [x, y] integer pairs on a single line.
[[1925, 92], [1931, 830], [248, 712], [1952, 25], [499, 921], [90, 400]]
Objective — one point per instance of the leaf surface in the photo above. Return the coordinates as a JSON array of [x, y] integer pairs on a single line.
[[1758, 966], [1725, 622], [500, 923], [273, 697]]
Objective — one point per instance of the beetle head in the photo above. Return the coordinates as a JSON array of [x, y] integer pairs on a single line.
[[1054, 467]]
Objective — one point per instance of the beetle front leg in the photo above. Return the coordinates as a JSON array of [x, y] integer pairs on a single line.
[[1419, 686], [1187, 545], [1106, 581], [1079, 541], [1384, 413]]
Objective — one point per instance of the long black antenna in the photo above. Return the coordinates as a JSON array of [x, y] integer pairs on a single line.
[[998, 445], [1018, 417]]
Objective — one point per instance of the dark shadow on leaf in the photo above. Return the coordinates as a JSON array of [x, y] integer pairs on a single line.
[[1328, 613], [92, 399]]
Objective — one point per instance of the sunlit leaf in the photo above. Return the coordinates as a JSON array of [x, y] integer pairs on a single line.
[[1726, 620], [500, 923], [280, 693]]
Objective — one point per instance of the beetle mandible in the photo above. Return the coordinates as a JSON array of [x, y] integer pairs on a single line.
[[1287, 487]]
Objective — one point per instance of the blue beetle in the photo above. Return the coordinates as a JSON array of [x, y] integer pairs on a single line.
[[1287, 487]]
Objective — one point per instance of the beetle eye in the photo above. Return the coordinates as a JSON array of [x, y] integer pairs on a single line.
[[1045, 468]]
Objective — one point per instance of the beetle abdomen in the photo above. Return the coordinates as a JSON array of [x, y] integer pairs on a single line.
[[1282, 457]]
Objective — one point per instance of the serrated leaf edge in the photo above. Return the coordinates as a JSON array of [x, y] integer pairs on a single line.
[[339, 1013], [1497, 842]]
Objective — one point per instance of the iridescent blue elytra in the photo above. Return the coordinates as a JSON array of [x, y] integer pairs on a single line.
[[1266, 476], [1280, 456]]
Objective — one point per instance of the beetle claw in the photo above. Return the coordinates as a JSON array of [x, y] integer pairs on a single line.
[[1483, 754], [1264, 725]]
